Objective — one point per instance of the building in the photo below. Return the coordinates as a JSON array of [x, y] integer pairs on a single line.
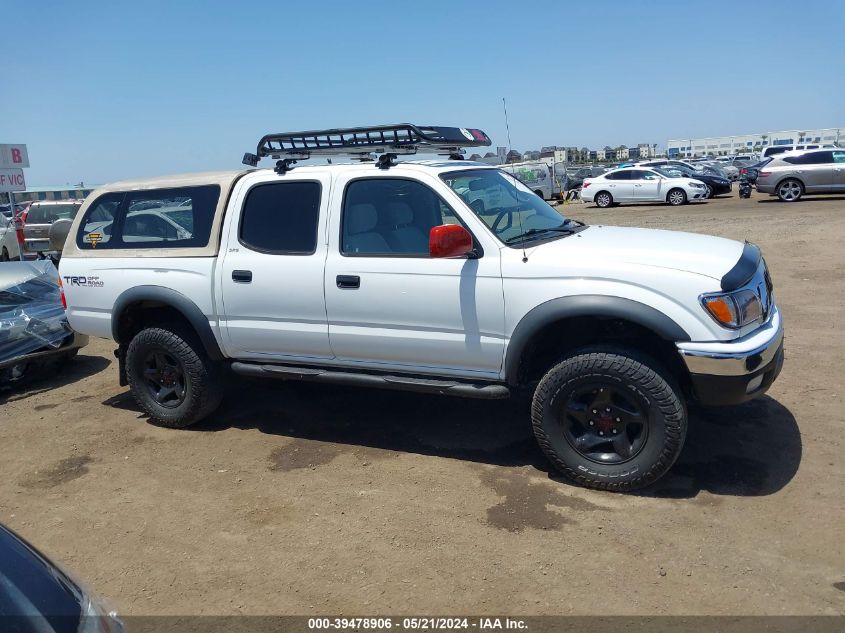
[[66, 192], [559, 154], [643, 151], [746, 143]]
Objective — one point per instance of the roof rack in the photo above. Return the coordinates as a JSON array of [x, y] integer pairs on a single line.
[[402, 138]]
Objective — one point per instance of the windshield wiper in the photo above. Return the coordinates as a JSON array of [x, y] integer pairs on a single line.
[[565, 230]]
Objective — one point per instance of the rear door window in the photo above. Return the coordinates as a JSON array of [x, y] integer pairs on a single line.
[[281, 218]]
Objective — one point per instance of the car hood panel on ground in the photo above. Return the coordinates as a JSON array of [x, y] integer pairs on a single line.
[[688, 252]]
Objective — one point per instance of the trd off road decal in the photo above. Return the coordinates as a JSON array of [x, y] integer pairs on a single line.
[[85, 282]]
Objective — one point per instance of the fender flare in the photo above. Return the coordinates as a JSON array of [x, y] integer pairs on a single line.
[[600, 306], [176, 300]]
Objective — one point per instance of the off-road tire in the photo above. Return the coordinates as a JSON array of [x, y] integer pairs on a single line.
[[202, 376], [637, 376]]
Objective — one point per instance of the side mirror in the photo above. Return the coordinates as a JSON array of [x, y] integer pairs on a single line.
[[58, 234], [449, 240]]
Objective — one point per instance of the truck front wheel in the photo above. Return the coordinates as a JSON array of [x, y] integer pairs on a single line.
[[171, 377], [609, 419]]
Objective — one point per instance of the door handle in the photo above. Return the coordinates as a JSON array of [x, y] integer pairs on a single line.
[[242, 276], [638, 185], [348, 281]]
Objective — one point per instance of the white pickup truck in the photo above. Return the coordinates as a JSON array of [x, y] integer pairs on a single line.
[[381, 274]]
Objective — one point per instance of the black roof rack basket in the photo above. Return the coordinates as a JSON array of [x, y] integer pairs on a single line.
[[402, 138]]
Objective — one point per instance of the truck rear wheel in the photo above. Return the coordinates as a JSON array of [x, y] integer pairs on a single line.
[[609, 419], [171, 377]]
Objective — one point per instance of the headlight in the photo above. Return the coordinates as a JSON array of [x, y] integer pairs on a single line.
[[733, 309], [697, 185]]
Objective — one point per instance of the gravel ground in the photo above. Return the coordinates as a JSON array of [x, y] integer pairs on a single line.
[[299, 499]]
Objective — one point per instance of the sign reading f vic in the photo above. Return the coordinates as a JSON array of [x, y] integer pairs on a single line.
[[13, 156]]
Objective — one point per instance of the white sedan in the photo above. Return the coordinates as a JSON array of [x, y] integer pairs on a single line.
[[640, 185]]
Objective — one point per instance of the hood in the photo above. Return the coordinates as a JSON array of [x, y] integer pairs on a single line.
[[688, 252]]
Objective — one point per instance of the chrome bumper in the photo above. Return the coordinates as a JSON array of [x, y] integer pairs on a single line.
[[736, 358]]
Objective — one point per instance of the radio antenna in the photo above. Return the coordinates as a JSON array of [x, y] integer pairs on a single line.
[[518, 213]]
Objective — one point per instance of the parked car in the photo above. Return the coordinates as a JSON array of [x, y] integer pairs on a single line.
[[33, 326], [576, 178], [792, 175], [9, 248], [751, 172], [706, 167], [38, 219], [630, 184], [38, 596], [774, 150], [726, 170], [388, 275], [6, 210], [715, 185], [6, 225]]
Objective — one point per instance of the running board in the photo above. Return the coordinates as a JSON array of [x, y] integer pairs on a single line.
[[487, 391]]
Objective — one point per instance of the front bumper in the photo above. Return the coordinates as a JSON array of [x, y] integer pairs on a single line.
[[735, 371]]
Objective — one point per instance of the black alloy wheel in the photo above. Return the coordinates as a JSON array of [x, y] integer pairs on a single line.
[[605, 424], [164, 378]]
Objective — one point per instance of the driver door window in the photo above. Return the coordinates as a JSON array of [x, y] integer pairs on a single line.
[[390, 217]]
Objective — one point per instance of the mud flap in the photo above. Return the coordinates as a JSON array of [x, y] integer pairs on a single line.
[[120, 355]]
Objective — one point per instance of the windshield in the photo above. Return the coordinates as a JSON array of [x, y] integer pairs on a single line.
[[509, 208]]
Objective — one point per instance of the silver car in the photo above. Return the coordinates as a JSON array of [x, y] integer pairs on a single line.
[[789, 176], [39, 218]]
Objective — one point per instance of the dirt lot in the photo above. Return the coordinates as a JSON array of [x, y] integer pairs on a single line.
[[304, 499]]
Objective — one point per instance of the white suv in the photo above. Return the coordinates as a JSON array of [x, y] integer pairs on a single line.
[[442, 276]]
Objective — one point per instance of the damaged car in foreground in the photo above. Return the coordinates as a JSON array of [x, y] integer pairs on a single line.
[[33, 327]]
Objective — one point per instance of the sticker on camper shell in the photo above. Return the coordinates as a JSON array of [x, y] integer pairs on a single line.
[[94, 239]]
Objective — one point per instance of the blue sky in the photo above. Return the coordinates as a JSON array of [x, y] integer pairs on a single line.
[[109, 90]]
